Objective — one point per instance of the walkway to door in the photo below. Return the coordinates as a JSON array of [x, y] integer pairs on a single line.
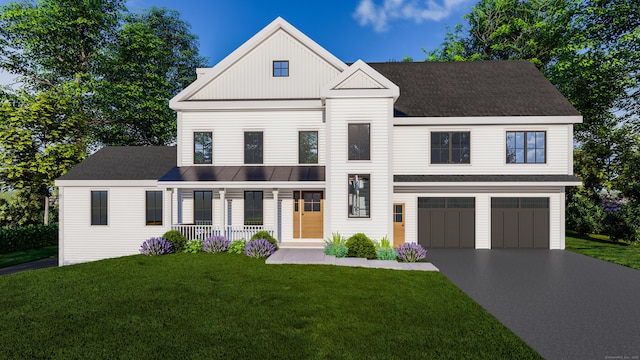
[[564, 305]]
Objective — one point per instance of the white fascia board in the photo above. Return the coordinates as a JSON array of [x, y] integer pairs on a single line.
[[462, 184], [389, 88], [486, 120], [241, 105], [279, 23], [243, 184], [106, 183]]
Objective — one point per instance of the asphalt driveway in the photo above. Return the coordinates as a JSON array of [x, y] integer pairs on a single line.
[[564, 305]]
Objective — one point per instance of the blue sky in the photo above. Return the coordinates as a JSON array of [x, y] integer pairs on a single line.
[[371, 30]]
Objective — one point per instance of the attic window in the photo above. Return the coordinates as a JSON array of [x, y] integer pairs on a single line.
[[281, 68]]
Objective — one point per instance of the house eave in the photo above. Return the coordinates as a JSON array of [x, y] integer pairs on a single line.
[[485, 120], [244, 105]]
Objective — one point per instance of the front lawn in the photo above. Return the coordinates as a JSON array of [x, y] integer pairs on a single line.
[[228, 306], [601, 247]]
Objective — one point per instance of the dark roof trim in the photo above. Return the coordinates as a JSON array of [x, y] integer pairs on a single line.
[[483, 178], [244, 173]]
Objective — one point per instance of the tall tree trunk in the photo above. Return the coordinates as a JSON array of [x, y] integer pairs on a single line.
[[46, 210]]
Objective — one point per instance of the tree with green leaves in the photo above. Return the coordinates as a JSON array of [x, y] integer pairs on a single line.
[[92, 74]]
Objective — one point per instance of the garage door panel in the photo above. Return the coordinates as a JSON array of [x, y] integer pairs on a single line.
[[467, 229], [437, 229], [510, 229], [525, 228], [541, 230], [452, 221], [424, 226]]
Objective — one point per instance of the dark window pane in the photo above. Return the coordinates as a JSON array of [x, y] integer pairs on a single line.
[[253, 147], [308, 147], [432, 202], [154, 208], [253, 208], [359, 195], [450, 147], [98, 208], [461, 203], [359, 142], [504, 203], [202, 148], [202, 207]]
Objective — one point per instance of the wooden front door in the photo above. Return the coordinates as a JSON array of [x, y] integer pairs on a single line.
[[398, 224], [308, 215]]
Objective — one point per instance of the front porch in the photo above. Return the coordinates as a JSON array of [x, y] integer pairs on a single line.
[[201, 232]]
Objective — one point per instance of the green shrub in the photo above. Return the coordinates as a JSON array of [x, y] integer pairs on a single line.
[[28, 237], [384, 243], [193, 246], [335, 238], [386, 254], [176, 239], [584, 215], [265, 235], [361, 246], [337, 250], [237, 246]]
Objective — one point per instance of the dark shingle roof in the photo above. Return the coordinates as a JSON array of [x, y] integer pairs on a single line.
[[484, 178], [473, 88], [245, 173], [125, 163]]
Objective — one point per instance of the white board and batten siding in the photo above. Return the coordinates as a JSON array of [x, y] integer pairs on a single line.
[[280, 135], [378, 113], [126, 227], [251, 76], [483, 215], [412, 151]]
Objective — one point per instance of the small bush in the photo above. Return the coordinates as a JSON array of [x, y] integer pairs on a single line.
[[237, 246], [156, 246], [259, 248], [193, 246], [215, 244], [335, 238], [384, 243], [411, 252], [265, 235], [337, 250], [360, 245], [386, 254], [176, 239]]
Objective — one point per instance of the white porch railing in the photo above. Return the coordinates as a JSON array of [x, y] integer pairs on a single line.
[[201, 232]]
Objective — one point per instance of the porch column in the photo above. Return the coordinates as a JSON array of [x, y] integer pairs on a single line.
[[222, 212], [171, 202], [276, 214]]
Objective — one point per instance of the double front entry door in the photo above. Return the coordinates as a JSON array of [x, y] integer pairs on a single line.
[[308, 215]]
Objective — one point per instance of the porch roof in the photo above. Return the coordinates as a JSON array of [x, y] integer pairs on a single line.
[[244, 173]]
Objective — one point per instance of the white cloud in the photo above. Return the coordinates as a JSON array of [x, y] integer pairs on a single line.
[[379, 16]]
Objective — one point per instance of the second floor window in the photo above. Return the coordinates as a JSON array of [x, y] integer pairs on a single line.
[[253, 147], [359, 141], [450, 148], [308, 147], [202, 147], [526, 147]]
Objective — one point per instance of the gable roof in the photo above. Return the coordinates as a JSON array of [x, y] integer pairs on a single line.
[[125, 163], [473, 88]]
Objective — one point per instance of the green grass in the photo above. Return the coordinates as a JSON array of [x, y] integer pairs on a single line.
[[600, 247], [227, 306], [20, 257]]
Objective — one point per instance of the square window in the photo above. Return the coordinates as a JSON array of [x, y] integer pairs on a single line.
[[281, 68], [526, 147], [359, 141], [202, 147], [253, 147], [359, 196], [450, 147]]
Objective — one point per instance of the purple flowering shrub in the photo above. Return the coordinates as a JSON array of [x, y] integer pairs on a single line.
[[156, 246], [215, 244], [259, 248], [620, 218], [612, 203], [411, 252]]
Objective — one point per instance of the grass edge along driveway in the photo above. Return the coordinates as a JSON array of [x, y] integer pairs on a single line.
[[600, 247], [231, 306]]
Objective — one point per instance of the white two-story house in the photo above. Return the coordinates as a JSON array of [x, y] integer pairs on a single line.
[[283, 136]]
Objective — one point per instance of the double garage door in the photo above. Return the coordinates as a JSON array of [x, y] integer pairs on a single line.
[[515, 222]]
